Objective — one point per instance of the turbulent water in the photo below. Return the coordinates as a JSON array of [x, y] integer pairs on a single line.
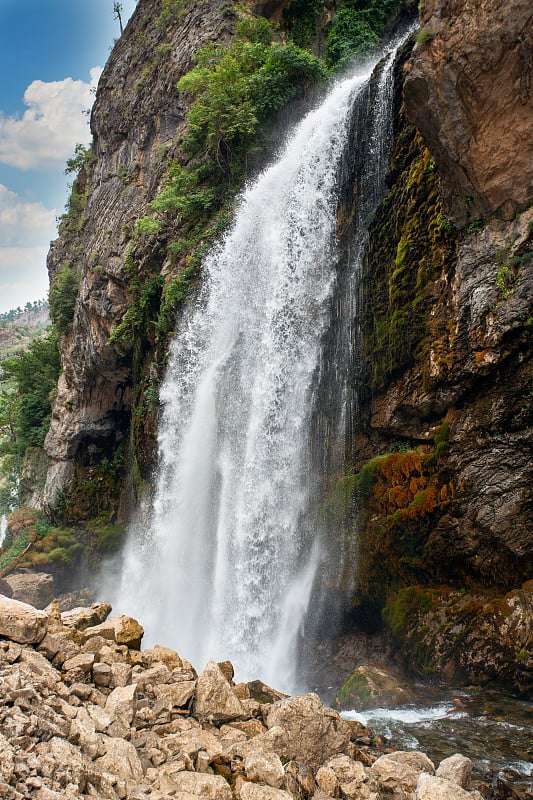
[[227, 566], [490, 728]]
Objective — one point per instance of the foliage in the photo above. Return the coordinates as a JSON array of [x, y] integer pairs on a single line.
[[170, 10], [357, 29], [350, 35], [62, 298], [142, 310], [174, 294], [301, 20], [146, 226], [33, 377], [424, 36], [81, 158], [238, 87]]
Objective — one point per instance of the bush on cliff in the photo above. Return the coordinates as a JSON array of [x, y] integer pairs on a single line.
[[236, 88]]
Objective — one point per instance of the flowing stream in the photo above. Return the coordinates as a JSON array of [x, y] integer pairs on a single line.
[[492, 729], [227, 567]]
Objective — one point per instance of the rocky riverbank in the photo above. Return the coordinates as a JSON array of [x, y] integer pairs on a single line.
[[86, 714]]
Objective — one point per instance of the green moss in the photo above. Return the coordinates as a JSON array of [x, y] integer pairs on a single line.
[[95, 492], [354, 692], [405, 605], [106, 539], [409, 247]]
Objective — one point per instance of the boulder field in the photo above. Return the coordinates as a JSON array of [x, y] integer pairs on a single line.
[[84, 713]]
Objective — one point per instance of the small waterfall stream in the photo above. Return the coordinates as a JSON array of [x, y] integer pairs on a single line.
[[3, 528], [228, 566]]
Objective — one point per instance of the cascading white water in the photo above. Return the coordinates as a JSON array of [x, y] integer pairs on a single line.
[[3, 528], [227, 566]]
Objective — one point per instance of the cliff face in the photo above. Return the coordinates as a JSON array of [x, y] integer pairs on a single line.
[[469, 94], [447, 344], [136, 122]]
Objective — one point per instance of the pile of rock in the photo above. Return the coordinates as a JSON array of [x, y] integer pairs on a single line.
[[85, 714]]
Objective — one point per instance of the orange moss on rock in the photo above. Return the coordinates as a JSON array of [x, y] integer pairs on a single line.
[[399, 499]]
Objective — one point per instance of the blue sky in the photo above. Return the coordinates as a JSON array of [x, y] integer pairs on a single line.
[[51, 56]]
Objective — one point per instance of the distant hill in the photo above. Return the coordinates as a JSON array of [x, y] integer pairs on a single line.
[[20, 326]]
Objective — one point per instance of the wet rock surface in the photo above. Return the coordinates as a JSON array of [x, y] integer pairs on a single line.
[[86, 717]]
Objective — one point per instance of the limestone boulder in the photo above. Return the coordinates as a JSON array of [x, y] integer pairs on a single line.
[[82, 662], [257, 690], [6, 760], [346, 769], [81, 618], [255, 791], [168, 657], [121, 704], [191, 742], [429, 787], [457, 769], [35, 588], [327, 781], [398, 772], [120, 759], [314, 732], [215, 701], [121, 629], [372, 686], [21, 622], [264, 767], [178, 694], [299, 780], [83, 733], [211, 787]]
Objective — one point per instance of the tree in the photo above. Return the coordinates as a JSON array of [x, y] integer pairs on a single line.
[[118, 8]]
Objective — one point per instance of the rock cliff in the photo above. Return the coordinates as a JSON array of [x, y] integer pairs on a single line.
[[136, 124], [447, 341], [469, 93]]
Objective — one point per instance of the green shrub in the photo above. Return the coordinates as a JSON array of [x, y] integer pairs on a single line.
[[238, 87], [358, 28], [33, 374], [146, 226], [83, 156], [350, 35], [62, 298], [140, 316], [301, 19]]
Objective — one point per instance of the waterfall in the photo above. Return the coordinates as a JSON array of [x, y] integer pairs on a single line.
[[3, 528], [227, 567]]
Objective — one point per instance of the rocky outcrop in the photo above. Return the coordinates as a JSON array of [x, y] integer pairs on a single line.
[[442, 469], [466, 637], [68, 734], [372, 686], [35, 588], [469, 92], [136, 123]]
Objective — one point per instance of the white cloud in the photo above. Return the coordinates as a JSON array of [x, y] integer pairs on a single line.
[[46, 134], [23, 276], [24, 222], [26, 228]]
